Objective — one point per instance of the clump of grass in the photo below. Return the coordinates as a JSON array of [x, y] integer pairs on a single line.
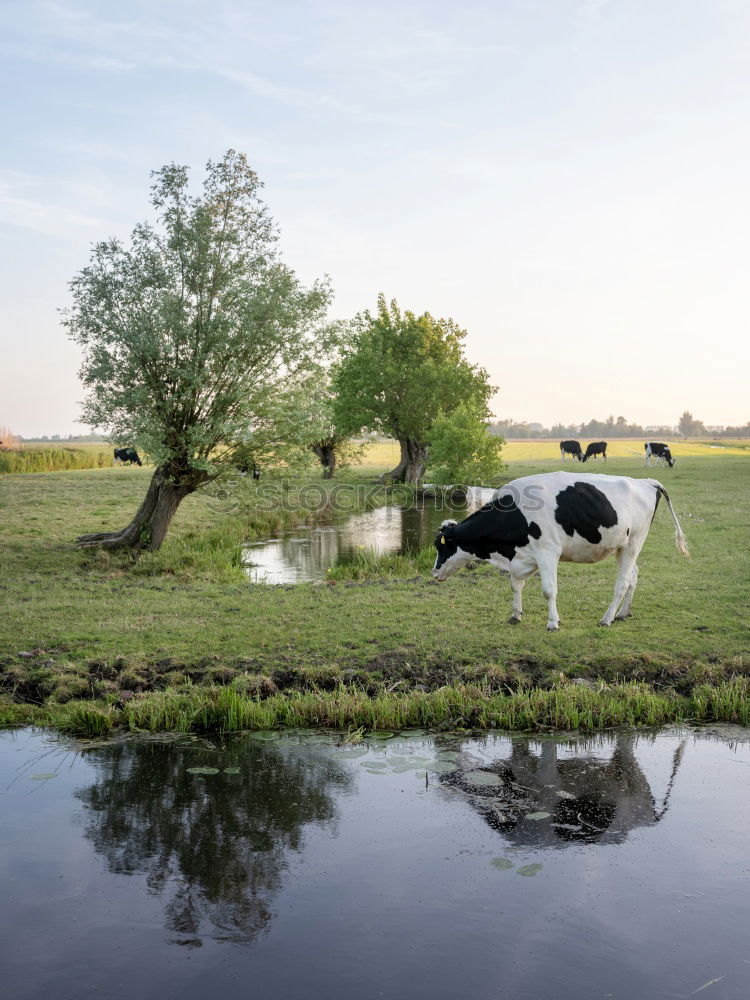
[[354, 736], [725, 702], [85, 719], [215, 554], [364, 565]]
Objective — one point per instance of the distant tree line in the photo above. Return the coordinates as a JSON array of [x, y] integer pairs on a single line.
[[614, 427]]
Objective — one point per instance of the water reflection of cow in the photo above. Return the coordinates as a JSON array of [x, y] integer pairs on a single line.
[[585, 798]]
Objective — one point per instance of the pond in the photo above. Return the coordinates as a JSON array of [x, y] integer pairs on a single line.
[[286, 866], [306, 553]]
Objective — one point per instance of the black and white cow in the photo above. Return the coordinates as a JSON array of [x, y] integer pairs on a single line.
[[659, 451], [594, 449], [244, 468], [534, 522], [127, 455], [572, 448]]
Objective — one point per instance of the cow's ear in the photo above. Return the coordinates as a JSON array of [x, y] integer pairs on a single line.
[[446, 528]]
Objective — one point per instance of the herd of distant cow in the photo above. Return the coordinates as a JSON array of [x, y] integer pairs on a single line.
[[654, 449]]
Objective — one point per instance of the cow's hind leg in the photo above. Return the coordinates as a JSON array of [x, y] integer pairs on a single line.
[[625, 611], [626, 559], [548, 574], [516, 585]]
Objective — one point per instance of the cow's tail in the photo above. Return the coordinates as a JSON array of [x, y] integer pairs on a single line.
[[679, 536]]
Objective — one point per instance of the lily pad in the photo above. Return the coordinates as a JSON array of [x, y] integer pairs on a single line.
[[529, 870], [502, 864], [538, 815], [442, 766], [484, 779], [41, 777], [373, 763], [231, 770], [203, 770], [564, 795]]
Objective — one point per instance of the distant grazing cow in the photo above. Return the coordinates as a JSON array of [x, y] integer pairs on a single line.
[[596, 448], [127, 455], [534, 522], [572, 448], [659, 451], [244, 468]]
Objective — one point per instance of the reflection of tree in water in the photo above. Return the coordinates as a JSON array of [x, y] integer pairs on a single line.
[[216, 845], [586, 799]]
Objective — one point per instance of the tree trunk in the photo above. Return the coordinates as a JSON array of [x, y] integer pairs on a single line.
[[149, 527], [327, 455], [411, 466]]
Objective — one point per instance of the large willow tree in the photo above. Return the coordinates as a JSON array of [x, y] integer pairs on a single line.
[[193, 334]]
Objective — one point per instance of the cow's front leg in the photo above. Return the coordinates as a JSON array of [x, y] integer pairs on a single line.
[[548, 574], [516, 585]]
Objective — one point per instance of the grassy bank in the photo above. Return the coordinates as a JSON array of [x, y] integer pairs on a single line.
[[89, 632]]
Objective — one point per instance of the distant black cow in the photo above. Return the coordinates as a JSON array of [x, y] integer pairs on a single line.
[[659, 451], [572, 448], [127, 455], [596, 448], [244, 468]]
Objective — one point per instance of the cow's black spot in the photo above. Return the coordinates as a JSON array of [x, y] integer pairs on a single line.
[[585, 509], [498, 527]]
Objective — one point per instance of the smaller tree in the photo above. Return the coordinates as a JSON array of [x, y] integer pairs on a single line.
[[334, 447], [398, 372], [463, 450]]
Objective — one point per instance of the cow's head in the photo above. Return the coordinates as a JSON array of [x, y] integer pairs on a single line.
[[450, 556], [668, 456]]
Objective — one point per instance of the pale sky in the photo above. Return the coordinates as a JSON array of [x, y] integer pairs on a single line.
[[568, 179]]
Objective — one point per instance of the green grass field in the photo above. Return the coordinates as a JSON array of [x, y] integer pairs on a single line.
[[104, 635]]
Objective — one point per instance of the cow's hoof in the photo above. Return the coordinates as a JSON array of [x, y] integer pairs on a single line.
[[514, 620], [553, 626], [604, 623], [622, 618]]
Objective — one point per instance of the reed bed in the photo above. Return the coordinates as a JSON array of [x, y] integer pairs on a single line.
[[59, 459], [219, 709]]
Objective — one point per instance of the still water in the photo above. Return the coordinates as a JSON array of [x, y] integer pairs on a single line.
[[415, 867], [307, 552]]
